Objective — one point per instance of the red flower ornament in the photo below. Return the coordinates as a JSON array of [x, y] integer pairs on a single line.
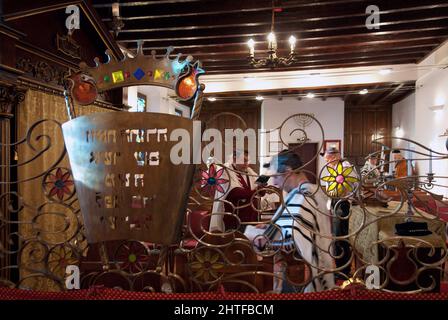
[[60, 184], [212, 181]]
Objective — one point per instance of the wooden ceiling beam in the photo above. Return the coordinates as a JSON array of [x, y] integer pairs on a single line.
[[402, 96], [239, 22], [330, 33], [384, 97], [241, 40], [306, 67], [200, 9], [312, 60], [367, 47], [284, 32], [108, 3], [419, 47], [366, 97], [310, 44], [251, 9], [327, 94]]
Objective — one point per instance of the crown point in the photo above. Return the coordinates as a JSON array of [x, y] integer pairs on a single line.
[[140, 47], [189, 58], [109, 55], [169, 50], [97, 61], [153, 53]]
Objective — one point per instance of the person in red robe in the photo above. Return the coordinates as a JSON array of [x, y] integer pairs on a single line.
[[240, 193]]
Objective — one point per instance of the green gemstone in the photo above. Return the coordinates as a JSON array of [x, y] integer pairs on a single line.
[[132, 258], [106, 78]]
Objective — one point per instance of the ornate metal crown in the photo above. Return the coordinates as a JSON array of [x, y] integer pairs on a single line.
[[181, 76]]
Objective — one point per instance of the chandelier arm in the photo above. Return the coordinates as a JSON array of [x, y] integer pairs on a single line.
[[287, 61], [258, 62]]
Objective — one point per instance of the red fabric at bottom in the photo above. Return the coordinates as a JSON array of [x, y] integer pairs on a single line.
[[113, 294]]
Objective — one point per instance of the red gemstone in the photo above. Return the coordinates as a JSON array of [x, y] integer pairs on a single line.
[[187, 87], [84, 92]]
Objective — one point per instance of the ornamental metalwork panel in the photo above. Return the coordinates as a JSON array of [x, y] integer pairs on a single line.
[[395, 238]]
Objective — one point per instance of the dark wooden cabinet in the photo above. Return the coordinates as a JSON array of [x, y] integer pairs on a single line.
[[363, 124]]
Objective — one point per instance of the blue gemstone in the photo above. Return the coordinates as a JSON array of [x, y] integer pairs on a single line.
[[139, 73]]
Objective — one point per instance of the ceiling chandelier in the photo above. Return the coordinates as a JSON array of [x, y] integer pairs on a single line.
[[272, 60]]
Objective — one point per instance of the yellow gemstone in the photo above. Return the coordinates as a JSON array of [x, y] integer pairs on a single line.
[[157, 74], [117, 76]]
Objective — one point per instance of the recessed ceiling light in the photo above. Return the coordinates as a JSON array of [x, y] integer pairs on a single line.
[[385, 71], [310, 95], [211, 99], [259, 98], [363, 91]]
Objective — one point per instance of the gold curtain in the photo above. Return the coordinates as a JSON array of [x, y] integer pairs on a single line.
[[49, 226]]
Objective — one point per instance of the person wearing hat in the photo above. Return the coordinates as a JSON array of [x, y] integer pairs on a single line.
[[332, 154], [340, 210], [238, 196], [370, 171], [300, 224]]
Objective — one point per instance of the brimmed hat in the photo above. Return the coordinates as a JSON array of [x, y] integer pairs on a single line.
[[332, 150]]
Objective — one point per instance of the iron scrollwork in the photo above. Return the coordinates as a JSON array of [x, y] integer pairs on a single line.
[[206, 260]]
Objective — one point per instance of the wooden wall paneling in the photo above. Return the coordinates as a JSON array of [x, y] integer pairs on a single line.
[[363, 124], [35, 55], [249, 111], [370, 130]]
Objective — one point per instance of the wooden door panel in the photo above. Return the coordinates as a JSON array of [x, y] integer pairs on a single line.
[[249, 111], [362, 125]]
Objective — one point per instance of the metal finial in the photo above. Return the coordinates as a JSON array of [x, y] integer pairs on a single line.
[[140, 47]]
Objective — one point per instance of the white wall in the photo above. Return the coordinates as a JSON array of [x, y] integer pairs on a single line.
[[130, 96], [158, 99], [422, 124], [431, 91], [403, 116], [329, 113]]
